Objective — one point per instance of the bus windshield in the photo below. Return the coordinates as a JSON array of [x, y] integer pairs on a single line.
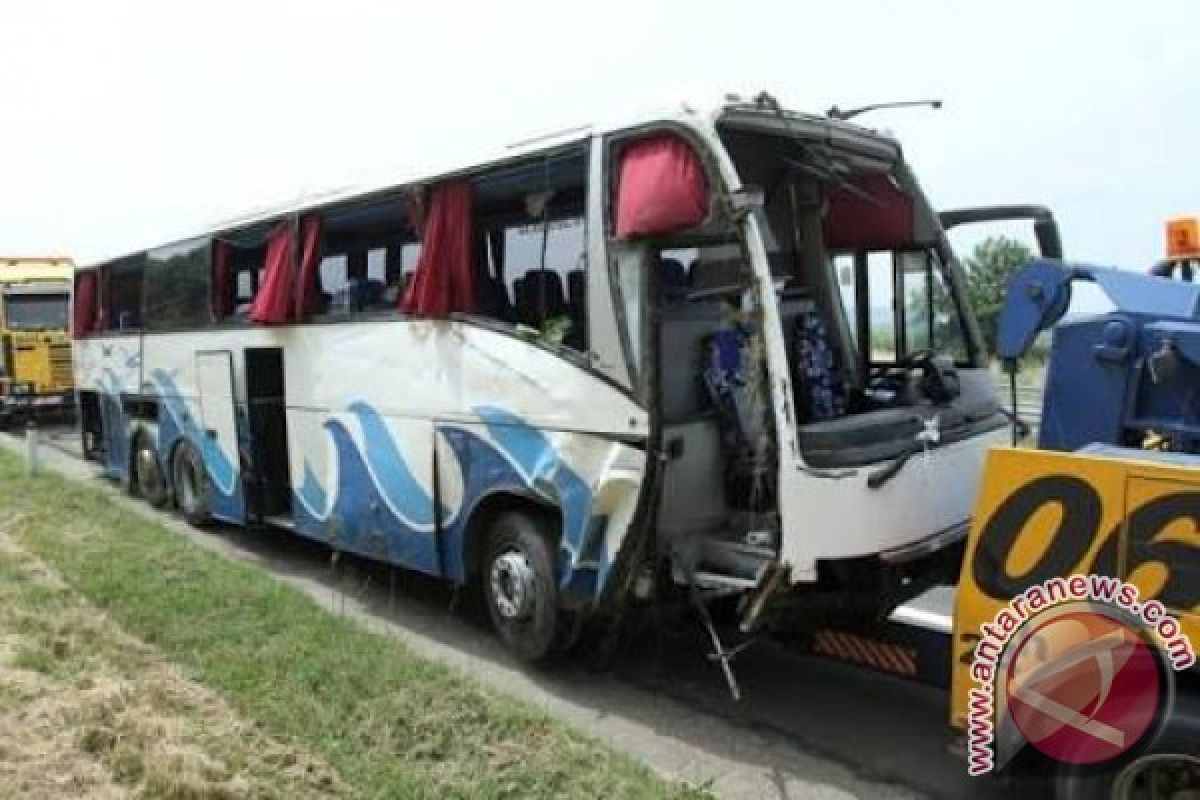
[[853, 236], [36, 312]]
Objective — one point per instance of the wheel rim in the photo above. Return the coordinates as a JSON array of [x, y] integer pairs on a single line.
[[149, 479], [513, 585], [187, 484], [1159, 777]]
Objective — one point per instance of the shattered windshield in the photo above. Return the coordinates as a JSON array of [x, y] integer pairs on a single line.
[[852, 239]]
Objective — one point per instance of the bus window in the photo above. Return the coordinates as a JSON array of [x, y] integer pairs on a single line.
[[177, 278], [546, 278], [882, 311], [530, 239], [367, 249], [377, 265], [124, 290], [332, 279], [243, 258], [245, 289]]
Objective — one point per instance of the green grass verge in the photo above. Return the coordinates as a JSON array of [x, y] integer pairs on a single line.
[[392, 724]]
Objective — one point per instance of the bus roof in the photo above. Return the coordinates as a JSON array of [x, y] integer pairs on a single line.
[[737, 113]]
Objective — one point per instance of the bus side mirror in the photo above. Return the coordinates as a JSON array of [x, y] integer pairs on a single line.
[[1045, 230], [1045, 227]]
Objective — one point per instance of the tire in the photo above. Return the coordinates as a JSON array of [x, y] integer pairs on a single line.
[[193, 491], [519, 586], [149, 482], [1174, 760]]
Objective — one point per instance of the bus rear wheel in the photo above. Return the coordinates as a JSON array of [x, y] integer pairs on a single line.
[[519, 585], [149, 482], [192, 488]]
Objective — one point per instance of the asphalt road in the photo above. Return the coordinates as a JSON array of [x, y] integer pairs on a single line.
[[805, 726]]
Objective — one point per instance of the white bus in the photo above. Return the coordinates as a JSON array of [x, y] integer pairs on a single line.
[[725, 352]]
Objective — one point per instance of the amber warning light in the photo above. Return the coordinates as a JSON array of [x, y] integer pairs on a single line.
[[1183, 238]]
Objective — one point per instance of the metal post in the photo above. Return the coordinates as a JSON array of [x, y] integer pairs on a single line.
[[31, 448]]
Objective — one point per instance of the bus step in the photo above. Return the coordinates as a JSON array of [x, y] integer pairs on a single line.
[[280, 521]]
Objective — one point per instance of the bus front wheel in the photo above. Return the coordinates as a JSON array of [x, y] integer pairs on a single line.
[[192, 489], [519, 585]]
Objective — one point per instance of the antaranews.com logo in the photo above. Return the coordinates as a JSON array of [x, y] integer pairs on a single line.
[[1081, 667]]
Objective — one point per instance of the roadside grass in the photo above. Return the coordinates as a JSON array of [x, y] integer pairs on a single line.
[[88, 711], [390, 723]]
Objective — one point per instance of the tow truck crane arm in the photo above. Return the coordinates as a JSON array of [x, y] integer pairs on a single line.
[[1112, 377], [1039, 294]]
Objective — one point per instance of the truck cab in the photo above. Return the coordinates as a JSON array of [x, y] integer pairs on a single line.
[[37, 376]]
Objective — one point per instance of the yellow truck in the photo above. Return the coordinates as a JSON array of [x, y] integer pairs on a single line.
[[36, 377]]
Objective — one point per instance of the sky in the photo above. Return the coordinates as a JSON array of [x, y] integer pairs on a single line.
[[127, 124]]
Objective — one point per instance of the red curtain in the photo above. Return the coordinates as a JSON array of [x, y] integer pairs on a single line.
[[310, 259], [273, 300], [100, 321], [445, 277], [84, 310], [222, 288], [661, 187], [886, 220]]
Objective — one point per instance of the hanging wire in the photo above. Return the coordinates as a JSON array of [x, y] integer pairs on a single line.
[[1017, 425]]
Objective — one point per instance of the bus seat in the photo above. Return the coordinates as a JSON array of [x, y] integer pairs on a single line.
[[673, 277], [820, 384], [494, 301], [372, 293], [576, 288], [724, 374], [716, 274], [539, 296], [728, 376], [358, 294], [577, 308], [684, 327]]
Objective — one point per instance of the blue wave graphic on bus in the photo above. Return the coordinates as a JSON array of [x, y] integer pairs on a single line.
[[312, 495], [377, 507], [115, 425], [361, 515], [543, 470], [400, 488], [180, 422], [132, 359], [385, 469], [524, 456]]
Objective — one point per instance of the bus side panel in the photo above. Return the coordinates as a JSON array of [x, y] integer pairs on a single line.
[[433, 369], [111, 367], [366, 483], [591, 481]]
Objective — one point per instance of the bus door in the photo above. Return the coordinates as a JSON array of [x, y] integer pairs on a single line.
[[115, 434], [267, 481], [221, 450]]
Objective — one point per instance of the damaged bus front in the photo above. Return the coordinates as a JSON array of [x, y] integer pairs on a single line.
[[822, 394]]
